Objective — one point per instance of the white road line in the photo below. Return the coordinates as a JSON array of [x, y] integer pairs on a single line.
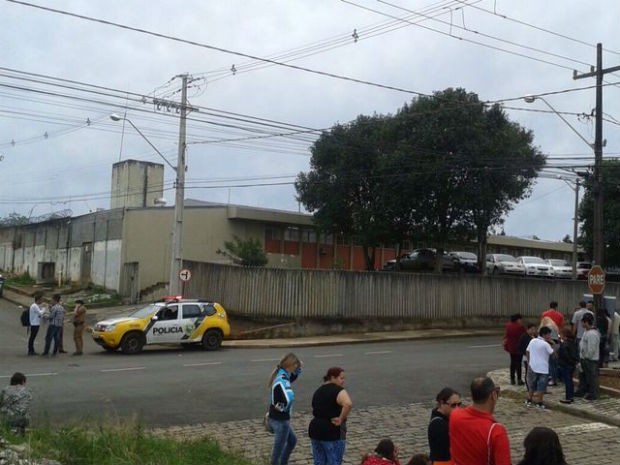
[[122, 369], [201, 364], [328, 355], [378, 352], [483, 347], [33, 374], [265, 360]]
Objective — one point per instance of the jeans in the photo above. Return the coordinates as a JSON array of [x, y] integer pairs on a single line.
[[515, 367], [34, 330], [327, 452], [566, 373], [53, 334], [284, 441], [588, 378], [553, 369]]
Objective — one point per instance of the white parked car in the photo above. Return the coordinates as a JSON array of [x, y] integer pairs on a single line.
[[561, 268], [536, 266], [499, 263]]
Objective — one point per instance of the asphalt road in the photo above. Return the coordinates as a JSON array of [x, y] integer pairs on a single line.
[[172, 386]]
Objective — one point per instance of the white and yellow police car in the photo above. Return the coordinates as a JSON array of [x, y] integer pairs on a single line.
[[176, 321]]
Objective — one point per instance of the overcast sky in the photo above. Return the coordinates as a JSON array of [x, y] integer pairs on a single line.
[[58, 143]]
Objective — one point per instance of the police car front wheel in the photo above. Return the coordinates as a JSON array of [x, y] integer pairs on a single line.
[[212, 339], [132, 343]]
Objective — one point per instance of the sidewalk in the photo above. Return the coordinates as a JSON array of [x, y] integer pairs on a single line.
[[604, 410]]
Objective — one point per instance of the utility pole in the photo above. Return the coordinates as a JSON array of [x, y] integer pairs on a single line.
[[575, 221], [598, 245], [176, 263]]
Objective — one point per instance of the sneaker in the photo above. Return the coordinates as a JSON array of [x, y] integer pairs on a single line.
[[520, 382], [566, 401], [512, 381], [540, 407], [529, 404], [588, 398]]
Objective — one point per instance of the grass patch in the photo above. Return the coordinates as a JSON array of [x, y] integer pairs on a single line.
[[124, 443], [23, 279]]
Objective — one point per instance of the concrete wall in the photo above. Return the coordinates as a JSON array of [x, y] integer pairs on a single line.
[[136, 184]]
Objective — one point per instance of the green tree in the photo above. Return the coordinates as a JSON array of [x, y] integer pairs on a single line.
[[610, 194], [248, 252], [344, 184]]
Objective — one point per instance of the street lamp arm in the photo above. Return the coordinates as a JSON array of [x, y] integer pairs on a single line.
[[115, 117], [531, 98]]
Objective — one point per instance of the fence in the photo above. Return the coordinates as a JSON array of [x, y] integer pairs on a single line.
[[334, 295]]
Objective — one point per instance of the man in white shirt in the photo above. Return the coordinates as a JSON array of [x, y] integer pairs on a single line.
[[538, 352], [35, 320]]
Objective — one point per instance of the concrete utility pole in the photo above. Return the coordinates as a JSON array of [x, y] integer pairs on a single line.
[[598, 246], [176, 264]]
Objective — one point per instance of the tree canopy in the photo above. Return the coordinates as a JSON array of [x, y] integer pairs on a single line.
[[610, 194], [443, 168]]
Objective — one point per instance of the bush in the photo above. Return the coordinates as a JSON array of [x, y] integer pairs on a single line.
[[23, 279]]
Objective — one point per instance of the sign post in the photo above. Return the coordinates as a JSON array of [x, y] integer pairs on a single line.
[[596, 279], [184, 275]]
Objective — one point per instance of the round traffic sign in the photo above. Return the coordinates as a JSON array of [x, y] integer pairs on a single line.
[[596, 279], [185, 275]]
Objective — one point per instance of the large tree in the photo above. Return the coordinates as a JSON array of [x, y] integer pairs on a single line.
[[610, 195], [444, 168]]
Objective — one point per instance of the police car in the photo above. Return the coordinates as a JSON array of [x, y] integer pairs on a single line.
[[175, 321]]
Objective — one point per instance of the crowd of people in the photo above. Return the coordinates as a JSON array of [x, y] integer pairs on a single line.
[[551, 351], [457, 435], [40, 313]]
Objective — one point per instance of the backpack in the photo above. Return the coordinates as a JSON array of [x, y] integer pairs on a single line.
[[25, 317]]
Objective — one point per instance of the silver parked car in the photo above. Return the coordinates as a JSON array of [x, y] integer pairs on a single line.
[[499, 263], [536, 266], [561, 268]]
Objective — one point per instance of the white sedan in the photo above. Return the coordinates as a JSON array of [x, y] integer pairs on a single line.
[[536, 266], [561, 268]]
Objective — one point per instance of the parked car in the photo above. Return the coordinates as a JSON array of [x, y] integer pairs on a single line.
[[390, 265], [562, 269], [536, 266], [179, 321], [583, 268], [499, 263], [422, 260], [465, 261]]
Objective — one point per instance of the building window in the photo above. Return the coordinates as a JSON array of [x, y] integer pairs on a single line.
[[291, 233], [273, 234]]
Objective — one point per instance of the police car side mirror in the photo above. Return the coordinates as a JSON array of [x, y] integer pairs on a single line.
[[154, 318]]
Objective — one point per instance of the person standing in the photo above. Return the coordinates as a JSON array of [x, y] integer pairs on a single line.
[[575, 324], [615, 337], [538, 352], [553, 313], [603, 324], [331, 405], [524, 340], [79, 322], [588, 360], [542, 447], [475, 436], [35, 314], [15, 401], [513, 331], [438, 438], [55, 323], [568, 356], [280, 408]]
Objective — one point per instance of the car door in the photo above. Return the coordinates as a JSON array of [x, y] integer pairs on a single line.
[[191, 318], [167, 327]]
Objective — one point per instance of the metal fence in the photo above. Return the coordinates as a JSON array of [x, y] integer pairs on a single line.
[[319, 294]]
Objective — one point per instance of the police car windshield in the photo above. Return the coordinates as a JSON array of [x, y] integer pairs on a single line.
[[145, 311]]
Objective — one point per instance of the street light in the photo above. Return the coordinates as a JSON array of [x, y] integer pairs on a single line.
[[177, 231], [532, 99]]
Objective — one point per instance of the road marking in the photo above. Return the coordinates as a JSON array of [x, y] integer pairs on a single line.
[[33, 374], [484, 347], [201, 364], [122, 369], [378, 352], [328, 355], [265, 360], [583, 428]]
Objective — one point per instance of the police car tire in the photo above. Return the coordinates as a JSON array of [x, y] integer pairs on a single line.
[[132, 343], [211, 339]]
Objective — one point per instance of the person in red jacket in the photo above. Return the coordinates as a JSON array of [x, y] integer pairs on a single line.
[[475, 436], [513, 331], [386, 453], [553, 313]]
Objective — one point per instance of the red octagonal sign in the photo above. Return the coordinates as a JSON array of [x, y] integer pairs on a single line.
[[596, 279]]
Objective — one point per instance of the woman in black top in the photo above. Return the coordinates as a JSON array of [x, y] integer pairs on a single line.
[[331, 405], [438, 440]]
